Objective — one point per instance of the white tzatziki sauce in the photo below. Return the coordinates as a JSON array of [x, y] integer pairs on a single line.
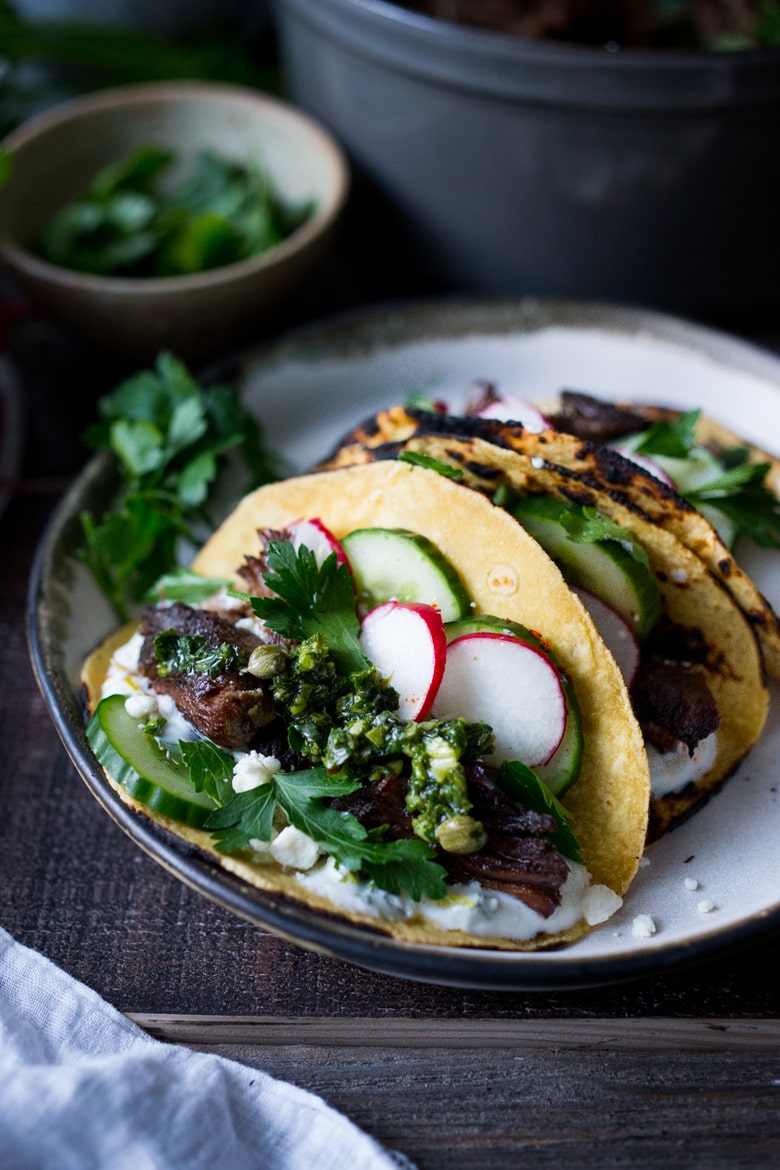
[[671, 771], [468, 907]]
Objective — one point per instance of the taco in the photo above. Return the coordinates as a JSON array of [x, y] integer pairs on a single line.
[[689, 652], [289, 758], [714, 486]]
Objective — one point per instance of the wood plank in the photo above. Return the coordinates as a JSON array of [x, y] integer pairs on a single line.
[[553, 1034], [585, 1094]]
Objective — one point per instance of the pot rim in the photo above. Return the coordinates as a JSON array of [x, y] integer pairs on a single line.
[[502, 66]]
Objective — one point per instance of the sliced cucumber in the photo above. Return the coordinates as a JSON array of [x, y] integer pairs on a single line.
[[489, 624], [562, 770], [604, 567], [393, 564], [134, 760]]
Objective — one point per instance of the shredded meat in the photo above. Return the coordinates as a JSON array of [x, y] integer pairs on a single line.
[[254, 568], [589, 418], [518, 858], [228, 707], [673, 704]]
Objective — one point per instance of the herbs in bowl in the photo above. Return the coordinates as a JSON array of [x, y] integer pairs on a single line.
[[130, 222], [179, 216]]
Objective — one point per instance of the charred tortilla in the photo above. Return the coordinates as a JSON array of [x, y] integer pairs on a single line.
[[490, 455], [505, 572]]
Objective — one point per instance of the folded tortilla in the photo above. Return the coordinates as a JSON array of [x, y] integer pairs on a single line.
[[490, 455], [506, 573]]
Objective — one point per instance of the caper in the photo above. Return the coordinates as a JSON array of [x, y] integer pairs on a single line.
[[461, 834], [266, 661]]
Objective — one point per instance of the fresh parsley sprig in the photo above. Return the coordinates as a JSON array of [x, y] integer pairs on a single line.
[[742, 495], [400, 867], [170, 436], [740, 492], [312, 599], [672, 437]]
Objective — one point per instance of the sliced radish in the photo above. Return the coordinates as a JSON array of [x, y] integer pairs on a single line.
[[510, 685], [647, 464], [615, 631], [408, 646], [507, 408], [313, 534]]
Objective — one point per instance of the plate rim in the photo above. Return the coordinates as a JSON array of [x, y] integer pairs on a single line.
[[481, 969]]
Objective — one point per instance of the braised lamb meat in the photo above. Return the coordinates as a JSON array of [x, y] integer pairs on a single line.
[[228, 706]]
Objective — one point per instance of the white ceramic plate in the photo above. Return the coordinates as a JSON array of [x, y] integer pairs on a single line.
[[311, 388]]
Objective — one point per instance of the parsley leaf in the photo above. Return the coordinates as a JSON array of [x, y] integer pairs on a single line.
[[312, 599], [675, 437], [182, 584], [210, 768], [743, 496], [581, 523], [522, 784], [396, 866], [170, 436], [420, 460]]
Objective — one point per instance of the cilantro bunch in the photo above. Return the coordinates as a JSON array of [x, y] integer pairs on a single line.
[[170, 437], [127, 223]]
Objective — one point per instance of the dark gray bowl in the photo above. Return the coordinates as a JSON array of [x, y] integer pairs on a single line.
[[494, 164]]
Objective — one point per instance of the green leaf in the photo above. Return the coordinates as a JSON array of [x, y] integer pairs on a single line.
[[210, 769], [312, 600], [741, 494], [674, 438], [247, 816], [139, 445], [418, 459], [182, 584], [523, 785]]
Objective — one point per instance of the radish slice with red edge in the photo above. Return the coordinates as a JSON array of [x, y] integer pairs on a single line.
[[647, 464], [615, 631], [408, 646], [512, 686], [313, 534], [510, 409]]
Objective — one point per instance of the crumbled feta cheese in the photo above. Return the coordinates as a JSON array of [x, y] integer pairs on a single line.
[[294, 849], [644, 861], [537, 462], [691, 884], [679, 576], [643, 926], [141, 706], [705, 906], [599, 903], [252, 770]]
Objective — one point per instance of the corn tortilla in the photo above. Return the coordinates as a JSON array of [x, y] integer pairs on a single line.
[[558, 465], [506, 573]]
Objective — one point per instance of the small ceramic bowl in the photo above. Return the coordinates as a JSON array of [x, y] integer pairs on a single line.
[[57, 154]]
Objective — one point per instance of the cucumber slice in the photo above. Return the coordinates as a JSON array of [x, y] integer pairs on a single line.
[[563, 768], [489, 624], [134, 760], [560, 772], [603, 567], [393, 564]]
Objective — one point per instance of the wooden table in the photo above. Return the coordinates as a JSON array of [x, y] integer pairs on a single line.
[[682, 1068]]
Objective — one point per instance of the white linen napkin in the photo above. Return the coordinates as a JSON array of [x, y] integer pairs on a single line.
[[83, 1088]]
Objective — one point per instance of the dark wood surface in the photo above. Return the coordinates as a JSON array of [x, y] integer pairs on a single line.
[[625, 1075]]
